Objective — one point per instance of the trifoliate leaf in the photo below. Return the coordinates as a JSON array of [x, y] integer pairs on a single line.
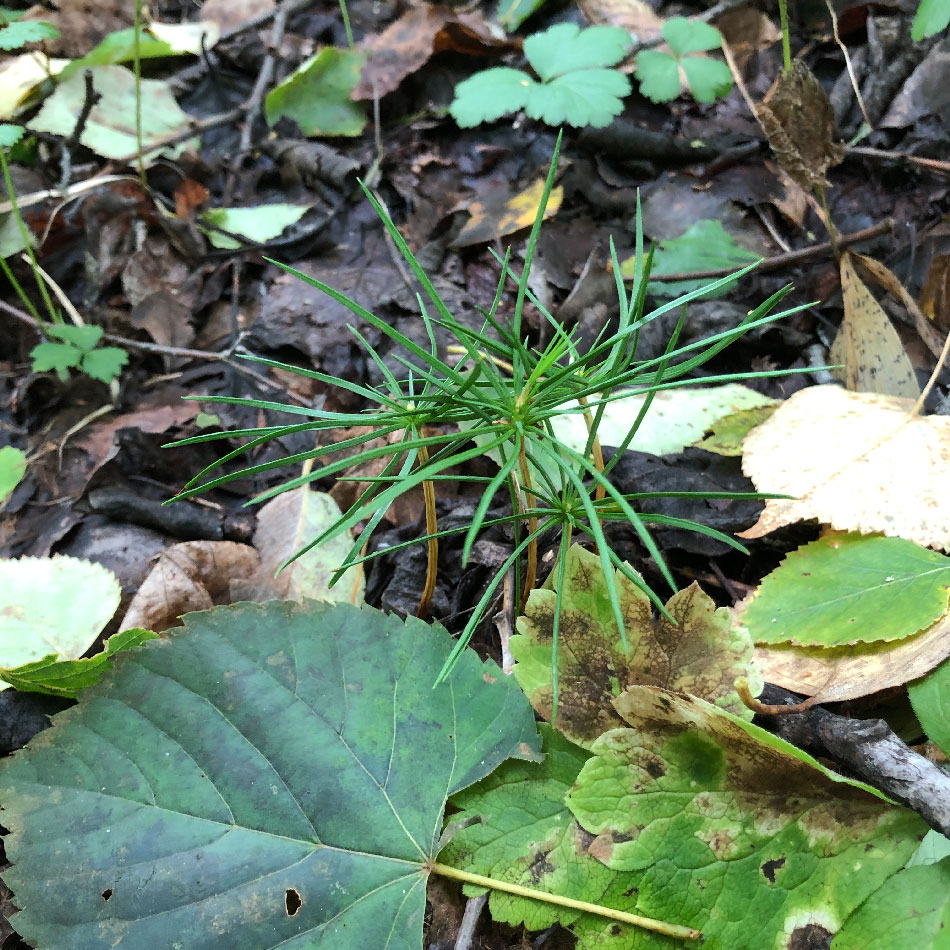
[[317, 94], [258, 224], [85, 338], [268, 776], [12, 469], [731, 829], [58, 677], [703, 653], [575, 87], [850, 588], [911, 911], [932, 17], [566, 48], [659, 72], [18, 34], [53, 605]]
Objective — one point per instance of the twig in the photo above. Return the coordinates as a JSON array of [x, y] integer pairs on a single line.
[[473, 910], [874, 753], [932, 164], [792, 257], [91, 99]]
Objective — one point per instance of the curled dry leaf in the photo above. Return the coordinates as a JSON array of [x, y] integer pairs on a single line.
[[867, 345], [856, 461], [798, 121], [849, 672], [194, 575], [635, 16]]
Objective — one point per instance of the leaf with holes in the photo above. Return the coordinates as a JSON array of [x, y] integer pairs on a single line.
[[270, 775]]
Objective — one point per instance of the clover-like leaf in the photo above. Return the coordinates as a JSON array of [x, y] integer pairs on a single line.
[[848, 588], [15, 35], [659, 72], [703, 653], [269, 775], [104, 363], [731, 829], [576, 86], [56, 356]]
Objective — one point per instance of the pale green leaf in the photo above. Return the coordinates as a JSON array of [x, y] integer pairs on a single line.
[[850, 588], [258, 224], [12, 469], [489, 95], [658, 74], [565, 48], [15, 35], [932, 17], [584, 97], [690, 36], [708, 79], [317, 94], [930, 697]]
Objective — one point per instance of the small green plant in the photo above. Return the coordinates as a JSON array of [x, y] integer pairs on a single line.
[[500, 399], [78, 349], [577, 86], [661, 75]]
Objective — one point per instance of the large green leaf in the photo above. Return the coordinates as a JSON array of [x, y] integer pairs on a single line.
[[703, 653], [930, 697], [731, 829], [848, 588], [270, 775]]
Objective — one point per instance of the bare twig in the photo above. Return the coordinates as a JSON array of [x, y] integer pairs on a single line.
[[473, 910], [91, 98]]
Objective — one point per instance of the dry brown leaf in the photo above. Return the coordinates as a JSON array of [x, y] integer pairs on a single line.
[[798, 121], [873, 357], [935, 294], [747, 31], [194, 575], [635, 16], [230, 14], [855, 461], [839, 673]]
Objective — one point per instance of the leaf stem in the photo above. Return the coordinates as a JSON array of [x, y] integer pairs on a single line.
[[786, 46], [432, 529], [647, 923], [529, 501]]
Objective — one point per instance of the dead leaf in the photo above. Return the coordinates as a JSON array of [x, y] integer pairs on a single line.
[[82, 24], [935, 294], [856, 461], [230, 14], [747, 31], [839, 673], [503, 212], [635, 16], [285, 525], [194, 575], [408, 44], [798, 121], [873, 357]]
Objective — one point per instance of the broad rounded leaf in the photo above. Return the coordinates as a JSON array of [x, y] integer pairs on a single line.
[[910, 912], [930, 698], [690, 36], [708, 79], [585, 97], [848, 588], [52, 605], [258, 224], [658, 74], [565, 47], [272, 775], [489, 95]]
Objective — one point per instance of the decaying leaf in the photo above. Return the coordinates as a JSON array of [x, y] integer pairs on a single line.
[[833, 674], [635, 16], [873, 357], [856, 461], [193, 575], [702, 654], [505, 212], [935, 294], [847, 589], [798, 121], [726, 435]]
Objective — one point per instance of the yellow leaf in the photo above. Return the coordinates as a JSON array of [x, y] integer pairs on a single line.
[[506, 213]]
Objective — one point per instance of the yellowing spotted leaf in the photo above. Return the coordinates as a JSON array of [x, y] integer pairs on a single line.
[[504, 213]]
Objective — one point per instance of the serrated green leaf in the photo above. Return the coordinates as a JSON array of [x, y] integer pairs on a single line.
[[105, 363], [489, 95], [258, 224], [18, 34], [708, 79], [317, 94], [690, 36], [932, 17], [253, 781], [565, 48], [57, 677], [911, 911], [731, 829], [702, 654], [706, 245], [658, 74], [55, 356], [930, 697], [12, 469], [850, 588], [52, 605], [726, 435], [84, 338], [585, 97]]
